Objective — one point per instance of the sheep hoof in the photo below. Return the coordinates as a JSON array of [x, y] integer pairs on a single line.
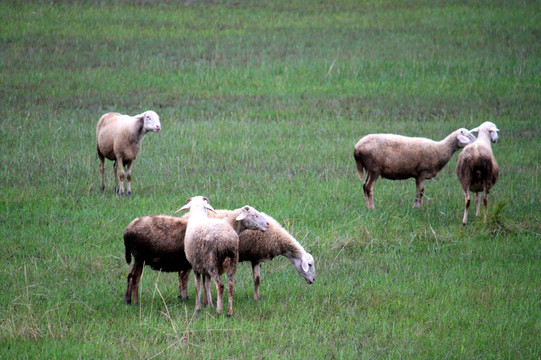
[[129, 193]]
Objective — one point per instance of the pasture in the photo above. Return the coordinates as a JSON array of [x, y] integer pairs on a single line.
[[261, 103]]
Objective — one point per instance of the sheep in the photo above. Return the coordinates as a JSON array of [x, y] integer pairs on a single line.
[[477, 169], [397, 157], [158, 241], [212, 248], [119, 139], [258, 247]]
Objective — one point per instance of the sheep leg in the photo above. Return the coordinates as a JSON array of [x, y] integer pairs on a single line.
[[219, 289], [115, 167], [205, 284], [129, 165], [467, 206], [230, 284], [485, 205], [120, 170], [133, 283], [102, 170], [197, 290], [368, 188], [420, 187], [477, 203], [256, 271], [183, 277], [207, 295]]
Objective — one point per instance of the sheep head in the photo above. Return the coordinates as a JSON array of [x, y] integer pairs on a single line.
[[198, 202], [305, 267], [464, 137], [252, 219], [489, 128], [151, 121]]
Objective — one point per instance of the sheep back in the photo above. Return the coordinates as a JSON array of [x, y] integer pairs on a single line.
[[158, 241]]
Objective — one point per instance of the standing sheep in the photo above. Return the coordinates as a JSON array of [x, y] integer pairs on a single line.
[[119, 139], [477, 168], [397, 157], [212, 248], [158, 241]]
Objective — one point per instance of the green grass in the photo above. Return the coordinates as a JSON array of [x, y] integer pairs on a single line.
[[261, 103]]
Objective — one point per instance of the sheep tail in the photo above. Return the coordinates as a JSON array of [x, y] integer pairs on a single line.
[[359, 163]]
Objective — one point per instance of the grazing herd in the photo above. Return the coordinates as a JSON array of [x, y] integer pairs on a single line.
[[212, 242]]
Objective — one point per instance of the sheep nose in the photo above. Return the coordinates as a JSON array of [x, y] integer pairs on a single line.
[[158, 127]]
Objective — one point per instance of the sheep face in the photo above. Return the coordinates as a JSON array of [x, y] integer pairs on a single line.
[[490, 128], [151, 121], [305, 267], [253, 219], [464, 137]]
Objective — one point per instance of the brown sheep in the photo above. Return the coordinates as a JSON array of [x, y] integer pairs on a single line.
[[156, 241]]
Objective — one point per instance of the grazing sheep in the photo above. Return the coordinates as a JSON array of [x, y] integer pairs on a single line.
[[258, 247], [158, 241], [119, 139], [477, 168], [396, 157], [212, 248]]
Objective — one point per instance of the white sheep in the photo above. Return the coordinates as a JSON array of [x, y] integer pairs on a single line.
[[397, 157], [119, 139], [477, 169], [212, 248]]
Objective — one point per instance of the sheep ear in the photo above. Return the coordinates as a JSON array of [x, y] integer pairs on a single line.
[[185, 207], [242, 215], [475, 130], [304, 265], [463, 140], [208, 207]]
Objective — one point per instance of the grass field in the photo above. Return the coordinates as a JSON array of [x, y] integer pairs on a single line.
[[261, 103]]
